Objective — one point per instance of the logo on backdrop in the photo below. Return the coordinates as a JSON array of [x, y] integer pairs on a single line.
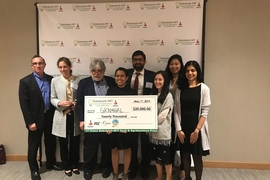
[[68, 26], [133, 24], [52, 43], [50, 8], [101, 25], [110, 42], [127, 59], [104, 59], [152, 6], [187, 5], [168, 24], [78, 7], [186, 42], [84, 43], [152, 42], [117, 7], [162, 59]]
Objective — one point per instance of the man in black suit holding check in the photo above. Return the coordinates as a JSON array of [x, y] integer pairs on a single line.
[[95, 85], [34, 97], [141, 80]]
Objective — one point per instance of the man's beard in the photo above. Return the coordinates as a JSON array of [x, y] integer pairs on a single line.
[[97, 78], [138, 67]]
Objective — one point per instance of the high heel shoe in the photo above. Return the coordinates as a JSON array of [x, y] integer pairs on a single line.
[[68, 173], [76, 171], [115, 176], [124, 176]]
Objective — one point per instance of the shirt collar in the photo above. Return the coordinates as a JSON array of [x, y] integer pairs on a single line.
[[142, 72], [37, 76]]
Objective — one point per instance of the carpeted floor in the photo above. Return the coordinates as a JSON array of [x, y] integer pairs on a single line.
[[20, 171]]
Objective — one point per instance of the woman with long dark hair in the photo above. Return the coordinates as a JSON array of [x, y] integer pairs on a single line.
[[161, 140], [192, 101], [174, 70]]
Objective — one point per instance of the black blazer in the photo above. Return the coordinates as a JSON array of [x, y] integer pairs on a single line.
[[148, 77], [86, 88], [31, 101]]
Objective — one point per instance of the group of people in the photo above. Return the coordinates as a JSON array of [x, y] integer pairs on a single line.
[[55, 107]]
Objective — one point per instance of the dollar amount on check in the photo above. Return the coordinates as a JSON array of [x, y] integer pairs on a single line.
[[133, 113]]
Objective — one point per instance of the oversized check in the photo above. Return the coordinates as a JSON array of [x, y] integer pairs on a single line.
[[133, 113]]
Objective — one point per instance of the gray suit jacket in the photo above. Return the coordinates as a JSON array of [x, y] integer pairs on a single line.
[[58, 93]]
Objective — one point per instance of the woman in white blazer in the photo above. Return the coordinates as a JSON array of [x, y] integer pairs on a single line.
[[65, 122]]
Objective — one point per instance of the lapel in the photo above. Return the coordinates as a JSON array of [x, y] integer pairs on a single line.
[[130, 73], [35, 85], [91, 89]]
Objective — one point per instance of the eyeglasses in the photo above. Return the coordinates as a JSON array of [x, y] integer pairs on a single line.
[[98, 71], [139, 59], [38, 63]]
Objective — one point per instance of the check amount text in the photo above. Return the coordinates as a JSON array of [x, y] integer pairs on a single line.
[[141, 108]]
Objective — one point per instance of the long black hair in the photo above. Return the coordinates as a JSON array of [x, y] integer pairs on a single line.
[[165, 89], [184, 81], [179, 58]]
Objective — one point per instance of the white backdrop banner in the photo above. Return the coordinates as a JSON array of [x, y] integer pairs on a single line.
[[113, 31]]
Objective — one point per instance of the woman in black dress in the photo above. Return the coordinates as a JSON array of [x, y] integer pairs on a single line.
[[192, 101], [121, 140]]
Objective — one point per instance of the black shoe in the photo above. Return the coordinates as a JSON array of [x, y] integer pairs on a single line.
[[87, 175], [132, 174], [76, 171], [54, 167], [106, 173], [68, 173], [145, 173], [35, 175]]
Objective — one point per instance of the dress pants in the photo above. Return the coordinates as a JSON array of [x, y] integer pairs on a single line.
[[70, 146], [34, 141], [145, 151], [91, 144], [49, 140]]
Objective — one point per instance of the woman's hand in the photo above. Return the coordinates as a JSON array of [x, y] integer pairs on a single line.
[[181, 136], [74, 105], [194, 136], [66, 103], [109, 132]]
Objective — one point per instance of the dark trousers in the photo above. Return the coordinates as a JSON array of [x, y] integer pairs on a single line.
[[90, 152], [70, 146], [34, 141], [145, 151]]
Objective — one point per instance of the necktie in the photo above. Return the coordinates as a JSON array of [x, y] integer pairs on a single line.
[[136, 82], [69, 92]]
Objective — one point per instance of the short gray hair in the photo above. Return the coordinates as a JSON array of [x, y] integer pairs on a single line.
[[97, 64]]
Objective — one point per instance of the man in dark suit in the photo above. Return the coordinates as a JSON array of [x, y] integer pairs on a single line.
[[141, 80], [95, 85], [34, 97]]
